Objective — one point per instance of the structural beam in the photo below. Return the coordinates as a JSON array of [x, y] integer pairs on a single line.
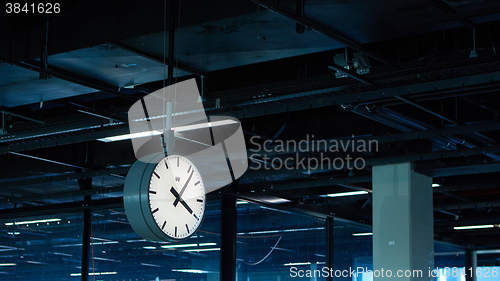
[[355, 76], [325, 31], [309, 100], [63, 177], [443, 6], [21, 116], [71, 207], [73, 78]]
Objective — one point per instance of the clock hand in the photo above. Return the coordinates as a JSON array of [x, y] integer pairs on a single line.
[[179, 199], [183, 189]]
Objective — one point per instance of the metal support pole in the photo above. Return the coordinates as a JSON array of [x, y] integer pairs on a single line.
[[87, 220], [329, 245], [299, 28], [86, 184], [44, 52], [228, 234], [171, 38], [470, 264], [169, 134]]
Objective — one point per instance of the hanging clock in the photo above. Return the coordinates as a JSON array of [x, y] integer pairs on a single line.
[[164, 198]]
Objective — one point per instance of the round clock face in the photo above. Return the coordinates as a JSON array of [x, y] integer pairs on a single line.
[[177, 197]]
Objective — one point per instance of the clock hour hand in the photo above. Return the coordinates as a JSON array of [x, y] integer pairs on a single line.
[[179, 199], [183, 189]]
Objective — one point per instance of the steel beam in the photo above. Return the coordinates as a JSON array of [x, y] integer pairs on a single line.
[[415, 104], [462, 170], [73, 78], [457, 16], [60, 195], [265, 106], [63, 177], [325, 31], [21, 116], [355, 76], [468, 205], [443, 6], [71, 207]]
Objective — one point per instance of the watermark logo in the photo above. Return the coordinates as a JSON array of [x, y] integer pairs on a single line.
[[310, 154]]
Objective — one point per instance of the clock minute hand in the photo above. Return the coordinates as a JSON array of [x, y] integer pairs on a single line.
[[178, 197], [182, 190]]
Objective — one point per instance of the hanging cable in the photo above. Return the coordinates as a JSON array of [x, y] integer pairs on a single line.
[[268, 254]]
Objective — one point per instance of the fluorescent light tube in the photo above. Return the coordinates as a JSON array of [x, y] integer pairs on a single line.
[[7, 264], [347, 193], [31, 222], [202, 250], [436, 185], [473, 227], [149, 248], [280, 231], [190, 270], [363, 234], [187, 245], [297, 263], [130, 136], [95, 274], [204, 125]]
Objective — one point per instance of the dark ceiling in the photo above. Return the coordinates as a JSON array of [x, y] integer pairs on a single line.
[[425, 99]]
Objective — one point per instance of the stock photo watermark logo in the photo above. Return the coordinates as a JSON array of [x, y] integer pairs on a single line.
[[310, 154]]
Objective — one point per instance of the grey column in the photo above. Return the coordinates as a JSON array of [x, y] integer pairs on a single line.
[[403, 232]]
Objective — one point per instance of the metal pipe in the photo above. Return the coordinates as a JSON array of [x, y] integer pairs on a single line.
[[22, 117], [171, 38]]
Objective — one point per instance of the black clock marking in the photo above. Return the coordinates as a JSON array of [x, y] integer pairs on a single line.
[[177, 161], [187, 227], [155, 210], [166, 164], [196, 217], [152, 192], [158, 176], [176, 231], [199, 200], [179, 197], [197, 183], [189, 169], [163, 226]]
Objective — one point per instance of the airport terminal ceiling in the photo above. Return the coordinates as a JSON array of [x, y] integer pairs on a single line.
[[422, 81]]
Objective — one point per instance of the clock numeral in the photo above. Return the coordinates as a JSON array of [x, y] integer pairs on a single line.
[[163, 226], [175, 231], [196, 217], [177, 161], [152, 192], [158, 176], [197, 183], [199, 200], [187, 228], [155, 210], [189, 169]]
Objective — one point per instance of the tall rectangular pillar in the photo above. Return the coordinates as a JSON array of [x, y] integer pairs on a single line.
[[403, 229]]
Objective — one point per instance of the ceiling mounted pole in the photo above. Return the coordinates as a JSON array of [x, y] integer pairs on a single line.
[[44, 53], [171, 38]]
